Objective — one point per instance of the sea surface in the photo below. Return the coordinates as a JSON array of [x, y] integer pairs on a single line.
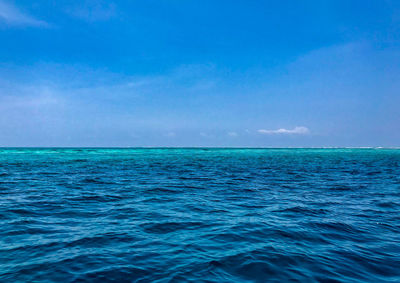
[[203, 215]]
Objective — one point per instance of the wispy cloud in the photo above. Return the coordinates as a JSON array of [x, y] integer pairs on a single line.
[[11, 15], [232, 134], [206, 135], [93, 11], [296, 130]]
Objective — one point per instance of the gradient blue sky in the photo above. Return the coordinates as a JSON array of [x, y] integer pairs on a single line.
[[200, 73]]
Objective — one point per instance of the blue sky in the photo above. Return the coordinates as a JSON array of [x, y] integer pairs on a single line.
[[200, 73]]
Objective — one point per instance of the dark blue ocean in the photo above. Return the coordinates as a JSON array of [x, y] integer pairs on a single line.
[[204, 215]]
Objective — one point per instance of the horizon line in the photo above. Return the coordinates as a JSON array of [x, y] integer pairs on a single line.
[[198, 147]]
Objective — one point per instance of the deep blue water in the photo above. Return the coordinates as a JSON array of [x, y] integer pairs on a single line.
[[218, 215]]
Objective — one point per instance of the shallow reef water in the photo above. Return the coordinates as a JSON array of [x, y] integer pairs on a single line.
[[199, 214]]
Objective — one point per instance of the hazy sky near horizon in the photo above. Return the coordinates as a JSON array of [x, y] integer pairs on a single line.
[[200, 73]]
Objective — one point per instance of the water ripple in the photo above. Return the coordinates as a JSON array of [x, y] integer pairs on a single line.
[[207, 215]]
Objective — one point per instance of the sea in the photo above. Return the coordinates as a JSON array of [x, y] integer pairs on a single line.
[[199, 215]]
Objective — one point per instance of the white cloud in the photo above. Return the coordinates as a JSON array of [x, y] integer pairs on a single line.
[[296, 130], [206, 135], [232, 134], [11, 15]]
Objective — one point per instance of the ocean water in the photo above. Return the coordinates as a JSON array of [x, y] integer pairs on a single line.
[[204, 215]]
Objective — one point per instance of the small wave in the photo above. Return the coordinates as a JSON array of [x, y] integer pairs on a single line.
[[303, 211], [387, 204], [117, 274], [169, 227], [96, 181], [95, 198]]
